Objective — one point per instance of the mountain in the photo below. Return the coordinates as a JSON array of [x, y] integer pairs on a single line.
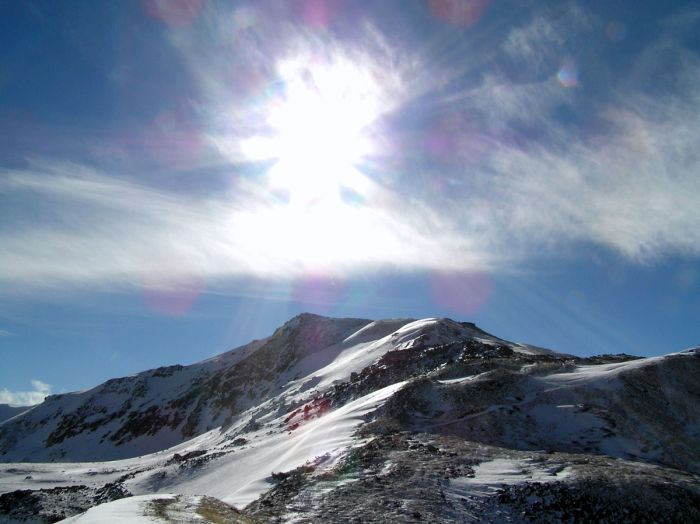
[[7, 411], [352, 419], [154, 410]]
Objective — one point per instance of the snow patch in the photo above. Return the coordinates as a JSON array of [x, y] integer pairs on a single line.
[[492, 475], [600, 375], [131, 510], [241, 477]]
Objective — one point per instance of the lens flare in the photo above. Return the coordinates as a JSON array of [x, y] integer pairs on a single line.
[[318, 291], [320, 13], [172, 296], [462, 12], [568, 75], [464, 293], [616, 31], [172, 140], [173, 12]]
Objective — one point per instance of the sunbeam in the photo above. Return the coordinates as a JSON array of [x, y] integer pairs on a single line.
[[318, 120]]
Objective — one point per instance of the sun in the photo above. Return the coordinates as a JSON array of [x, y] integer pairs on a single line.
[[318, 128]]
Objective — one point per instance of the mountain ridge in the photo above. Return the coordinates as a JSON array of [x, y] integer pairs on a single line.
[[305, 332], [325, 406]]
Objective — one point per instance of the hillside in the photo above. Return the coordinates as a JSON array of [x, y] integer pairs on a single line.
[[7, 411], [342, 419]]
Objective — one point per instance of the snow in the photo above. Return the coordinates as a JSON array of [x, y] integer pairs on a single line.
[[377, 329], [438, 331], [241, 477], [7, 411], [352, 345], [464, 380], [355, 353], [296, 425], [405, 335], [237, 478], [426, 331], [600, 375], [335, 363], [272, 448], [489, 476], [286, 438], [512, 471], [528, 349], [157, 387], [243, 474], [131, 510]]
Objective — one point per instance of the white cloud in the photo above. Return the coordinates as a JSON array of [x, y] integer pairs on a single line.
[[99, 230], [542, 41], [5, 333], [26, 398], [626, 180], [521, 181]]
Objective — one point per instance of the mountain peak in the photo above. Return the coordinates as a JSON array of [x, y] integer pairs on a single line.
[[324, 397], [308, 318], [314, 332]]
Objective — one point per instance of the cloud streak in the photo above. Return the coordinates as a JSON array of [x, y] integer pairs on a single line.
[[26, 398], [99, 230], [626, 179], [483, 173]]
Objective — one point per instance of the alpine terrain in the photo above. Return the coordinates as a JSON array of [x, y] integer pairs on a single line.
[[352, 420]]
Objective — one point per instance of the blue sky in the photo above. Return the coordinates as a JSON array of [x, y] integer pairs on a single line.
[[177, 178]]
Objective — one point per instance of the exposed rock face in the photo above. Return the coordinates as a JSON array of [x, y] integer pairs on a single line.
[[156, 409], [55, 504], [639, 409], [412, 477], [450, 424]]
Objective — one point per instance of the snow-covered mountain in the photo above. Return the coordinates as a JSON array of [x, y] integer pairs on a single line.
[[342, 419], [7, 411], [159, 408]]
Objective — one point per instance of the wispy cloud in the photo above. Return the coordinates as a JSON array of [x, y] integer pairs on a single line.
[[5, 333], [98, 229], [538, 45], [625, 176], [26, 398], [516, 164], [564, 166]]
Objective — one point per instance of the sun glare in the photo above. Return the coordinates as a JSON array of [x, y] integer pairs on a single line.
[[319, 125], [318, 120]]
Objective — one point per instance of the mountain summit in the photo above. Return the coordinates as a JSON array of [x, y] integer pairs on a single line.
[[341, 419]]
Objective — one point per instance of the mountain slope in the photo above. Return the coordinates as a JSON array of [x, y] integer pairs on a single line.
[[644, 409], [160, 408], [374, 420], [7, 411]]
